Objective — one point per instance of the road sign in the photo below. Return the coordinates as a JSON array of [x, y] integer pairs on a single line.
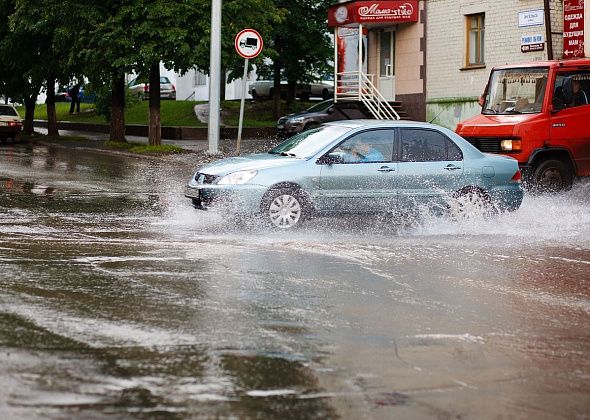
[[248, 43]]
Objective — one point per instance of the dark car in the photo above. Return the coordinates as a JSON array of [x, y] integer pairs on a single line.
[[311, 117]]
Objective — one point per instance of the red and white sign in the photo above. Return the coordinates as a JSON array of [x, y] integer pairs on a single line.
[[367, 12], [248, 43], [573, 28]]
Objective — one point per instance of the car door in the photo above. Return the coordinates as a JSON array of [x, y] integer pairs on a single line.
[[569, 126], [364, 184], [430, 167]]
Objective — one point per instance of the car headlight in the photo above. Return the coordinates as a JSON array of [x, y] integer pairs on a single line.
[[297, 120], [240, 177]]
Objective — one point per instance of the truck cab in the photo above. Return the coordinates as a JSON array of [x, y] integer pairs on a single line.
[[538, 113]]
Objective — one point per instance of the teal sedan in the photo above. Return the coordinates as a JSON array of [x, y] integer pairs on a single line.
[[359, 166]]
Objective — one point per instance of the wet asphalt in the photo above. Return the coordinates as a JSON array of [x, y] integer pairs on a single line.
[[120, 300]]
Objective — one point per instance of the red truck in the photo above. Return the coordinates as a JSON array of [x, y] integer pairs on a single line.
[[538, 113]]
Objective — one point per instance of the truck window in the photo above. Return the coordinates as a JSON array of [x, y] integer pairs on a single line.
[[516, 91], [581, 85]]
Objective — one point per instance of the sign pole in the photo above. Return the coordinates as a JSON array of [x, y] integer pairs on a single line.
[[214, 77], [240, 124]]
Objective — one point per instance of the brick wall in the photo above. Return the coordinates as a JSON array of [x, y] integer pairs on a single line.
[[446, 76]]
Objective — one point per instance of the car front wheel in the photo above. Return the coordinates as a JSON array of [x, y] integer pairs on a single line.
[[284, 208]]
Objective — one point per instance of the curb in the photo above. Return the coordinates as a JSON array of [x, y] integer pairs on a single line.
[[168, 133]]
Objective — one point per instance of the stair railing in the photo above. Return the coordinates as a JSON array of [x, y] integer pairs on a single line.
[[358, 86]]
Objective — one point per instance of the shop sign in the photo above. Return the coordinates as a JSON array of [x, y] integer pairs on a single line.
[[364, 12], [573, 28], [530, 43], [531, 18]]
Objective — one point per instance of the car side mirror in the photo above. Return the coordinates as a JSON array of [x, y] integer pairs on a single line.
[[331, 158], [330, 110], [568, 90]]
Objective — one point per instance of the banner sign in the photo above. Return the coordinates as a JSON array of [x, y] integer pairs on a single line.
[[366, 12], [573, 28]]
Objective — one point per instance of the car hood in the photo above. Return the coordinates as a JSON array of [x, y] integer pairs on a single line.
[[492, 125], [252, 162]]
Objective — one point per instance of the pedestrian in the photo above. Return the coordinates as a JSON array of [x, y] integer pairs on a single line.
[[74, 93]]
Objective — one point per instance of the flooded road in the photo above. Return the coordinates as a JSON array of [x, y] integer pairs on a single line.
[[118, 299]]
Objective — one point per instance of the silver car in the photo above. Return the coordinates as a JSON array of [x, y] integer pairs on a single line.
[[359, 166], [142, 90]]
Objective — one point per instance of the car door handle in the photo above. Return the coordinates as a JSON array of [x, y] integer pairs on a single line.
[[386, 169], [452, 167]]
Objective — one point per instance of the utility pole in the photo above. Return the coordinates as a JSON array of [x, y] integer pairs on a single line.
[[214, 77]]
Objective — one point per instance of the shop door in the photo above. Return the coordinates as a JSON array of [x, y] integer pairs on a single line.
[[387, 65]]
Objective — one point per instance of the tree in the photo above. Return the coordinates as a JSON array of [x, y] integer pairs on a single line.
[[300, 46]]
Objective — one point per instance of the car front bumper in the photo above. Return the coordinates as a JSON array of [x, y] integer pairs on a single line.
[[239, 199]]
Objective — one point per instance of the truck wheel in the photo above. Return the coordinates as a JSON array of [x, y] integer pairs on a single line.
[[551, 176]]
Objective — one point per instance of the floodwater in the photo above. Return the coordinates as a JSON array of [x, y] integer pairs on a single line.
[[119, 300]]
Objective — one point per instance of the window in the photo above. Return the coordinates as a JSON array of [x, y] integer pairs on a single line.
[[200, 78], [428, 146], [367, 147], [475, 40], [581, 89]]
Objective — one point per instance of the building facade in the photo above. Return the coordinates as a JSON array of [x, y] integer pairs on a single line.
[[466, 38]]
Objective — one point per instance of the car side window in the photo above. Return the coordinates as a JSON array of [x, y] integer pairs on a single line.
[[580, 85], [419, 145], [367, 147]]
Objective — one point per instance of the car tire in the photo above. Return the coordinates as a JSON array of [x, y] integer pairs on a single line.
[[254, 94], [552, 176], [470, 203], [285, 208], [325, 94]]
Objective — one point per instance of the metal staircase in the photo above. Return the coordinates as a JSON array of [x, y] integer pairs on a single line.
[[356, 86]]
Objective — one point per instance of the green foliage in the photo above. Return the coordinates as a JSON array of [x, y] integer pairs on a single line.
[[141, 148]]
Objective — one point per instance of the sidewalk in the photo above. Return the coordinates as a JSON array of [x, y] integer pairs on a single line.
[[227, 146]]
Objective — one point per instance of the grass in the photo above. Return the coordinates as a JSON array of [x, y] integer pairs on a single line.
[[141, 148], [175, 113]]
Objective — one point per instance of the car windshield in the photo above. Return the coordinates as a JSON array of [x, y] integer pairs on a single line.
[[164, 80], [322, 106], [306, 144], [516, 91], [8, 110]]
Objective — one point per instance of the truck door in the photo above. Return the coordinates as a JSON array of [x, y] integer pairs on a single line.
[[570, 127]]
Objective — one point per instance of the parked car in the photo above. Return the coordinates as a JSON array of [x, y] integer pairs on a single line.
[[309, 118], [265, 89], [11, 123], [142, 90], [359, 166], [323, 89]]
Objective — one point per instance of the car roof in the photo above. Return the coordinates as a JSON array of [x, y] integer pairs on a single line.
[[382, 123], [547, 63]]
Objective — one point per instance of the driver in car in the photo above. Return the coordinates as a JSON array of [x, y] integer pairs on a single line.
[[363, 152]]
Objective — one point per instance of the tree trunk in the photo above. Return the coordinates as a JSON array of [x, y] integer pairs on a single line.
[[29, 114], [117, 130], [276, 108], [291, 90], [155, 129], [52, 129]]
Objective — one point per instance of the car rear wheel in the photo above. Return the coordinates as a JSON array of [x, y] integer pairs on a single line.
[[285, 208], [470, 203], [552, 176]]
